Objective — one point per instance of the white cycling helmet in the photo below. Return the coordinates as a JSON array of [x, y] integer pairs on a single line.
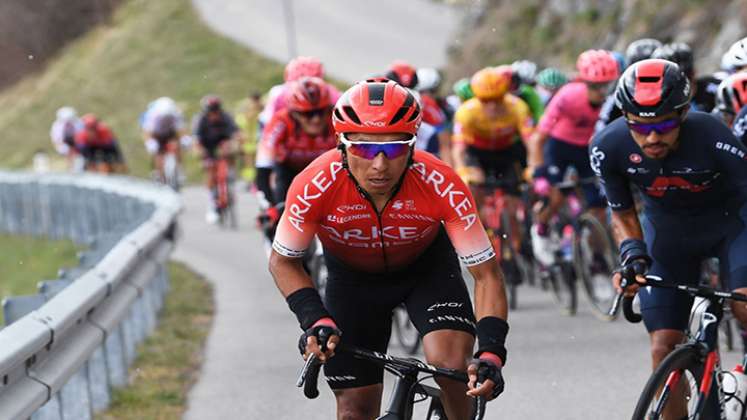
[[736, 56], [66, 113], [164, 105], [526, 70], [428, 79]]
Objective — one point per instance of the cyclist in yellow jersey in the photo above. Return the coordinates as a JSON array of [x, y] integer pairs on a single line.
[[487, 129]]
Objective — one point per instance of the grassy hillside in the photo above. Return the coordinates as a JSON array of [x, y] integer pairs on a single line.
[[27, 261], [554, 32], [149, 49]]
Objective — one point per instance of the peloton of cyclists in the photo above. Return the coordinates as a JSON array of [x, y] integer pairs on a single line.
[[562, 138]]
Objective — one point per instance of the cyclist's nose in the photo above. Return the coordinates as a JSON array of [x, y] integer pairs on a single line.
[[380, 162]]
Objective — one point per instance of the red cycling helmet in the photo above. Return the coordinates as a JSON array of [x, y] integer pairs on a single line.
[[597, 66], [90, 121], [652, 88], [377, 106], [403, 73], [303, 66], [308, 94], [731, 95]]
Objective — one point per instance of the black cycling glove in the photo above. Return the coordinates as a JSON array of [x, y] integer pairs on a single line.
[[486, 369], [321, 332]]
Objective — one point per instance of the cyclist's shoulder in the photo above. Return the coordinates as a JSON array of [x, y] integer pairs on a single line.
[[429, 168], [468, 110], [326, 169], [515, 104], [614, 137]]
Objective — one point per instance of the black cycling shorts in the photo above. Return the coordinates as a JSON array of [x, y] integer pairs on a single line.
[[678, 244], [432, 289], [109, 153], [503, 165]]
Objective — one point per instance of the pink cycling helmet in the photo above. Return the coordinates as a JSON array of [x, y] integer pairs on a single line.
[[597, 66], [303, 67]]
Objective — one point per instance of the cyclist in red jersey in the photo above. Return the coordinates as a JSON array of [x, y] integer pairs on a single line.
[[390, 219], [297, 135], [98, 146]]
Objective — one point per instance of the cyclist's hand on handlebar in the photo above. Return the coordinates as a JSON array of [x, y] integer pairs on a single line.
[[485, 371], [321, 340], [637, 268]]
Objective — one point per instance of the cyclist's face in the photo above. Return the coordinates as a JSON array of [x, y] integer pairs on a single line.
[[314, 122], [379, 175], [597, 92], [656, 145]]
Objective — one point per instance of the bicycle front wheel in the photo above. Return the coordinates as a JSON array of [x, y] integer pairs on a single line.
[[672, 390], [563, 286], [594, 258]]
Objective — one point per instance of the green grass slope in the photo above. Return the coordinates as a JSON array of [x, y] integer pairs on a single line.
[[26, 261], [150, 49]]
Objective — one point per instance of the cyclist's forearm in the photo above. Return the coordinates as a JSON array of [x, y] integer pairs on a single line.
[[625, 225], [535, 145], [490, 293], [459, 151], [288, 273]]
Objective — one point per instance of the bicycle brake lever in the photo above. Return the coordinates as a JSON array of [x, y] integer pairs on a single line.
[[615, 304], [305, 370]]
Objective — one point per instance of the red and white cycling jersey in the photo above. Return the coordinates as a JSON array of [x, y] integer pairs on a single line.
[[288, 144], [325, 201]]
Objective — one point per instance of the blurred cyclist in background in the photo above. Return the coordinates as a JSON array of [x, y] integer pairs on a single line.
[[549, 81], [730, 104], [562, 138], [277, 100], [429, 81], [217, 136], [522, 85], [163, 130], [98, 146], [63, 131]]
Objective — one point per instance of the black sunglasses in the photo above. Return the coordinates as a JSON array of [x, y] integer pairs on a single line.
[[313, 113]]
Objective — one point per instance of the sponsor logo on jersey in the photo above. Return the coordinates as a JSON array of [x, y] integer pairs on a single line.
[[458, 199], [404, 204], [310, 193], [596, 157], [351, 207], [662, 184], [734, 150], [347, 218], [635, 158], [409, 216]]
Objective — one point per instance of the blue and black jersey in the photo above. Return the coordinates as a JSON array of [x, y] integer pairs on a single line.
[[707, 169], [739, 128], [694, 207]]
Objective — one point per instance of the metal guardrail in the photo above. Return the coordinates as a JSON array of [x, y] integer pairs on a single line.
[[66, 348]]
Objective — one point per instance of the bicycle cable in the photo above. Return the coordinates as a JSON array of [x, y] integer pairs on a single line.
[[412, 388]]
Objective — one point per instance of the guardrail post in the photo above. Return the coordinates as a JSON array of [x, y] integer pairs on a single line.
[[97, 379], [75, 398], [116, 363], [49, 411]]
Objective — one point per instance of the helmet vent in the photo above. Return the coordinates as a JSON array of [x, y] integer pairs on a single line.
[[649, 79], [398, 116], [350, 112], [414, 114]]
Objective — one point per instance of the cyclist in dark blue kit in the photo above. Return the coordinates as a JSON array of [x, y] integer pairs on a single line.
[[692, 176]]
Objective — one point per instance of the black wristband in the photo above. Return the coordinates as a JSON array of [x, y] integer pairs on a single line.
[[491, 336], [307, 305], [631, 249]]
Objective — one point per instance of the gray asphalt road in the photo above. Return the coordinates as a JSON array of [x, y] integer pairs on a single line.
[[559, 367], [354, 38]]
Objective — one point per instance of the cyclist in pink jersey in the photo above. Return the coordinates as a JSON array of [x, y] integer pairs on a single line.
[[394, 224], [562, 138]]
